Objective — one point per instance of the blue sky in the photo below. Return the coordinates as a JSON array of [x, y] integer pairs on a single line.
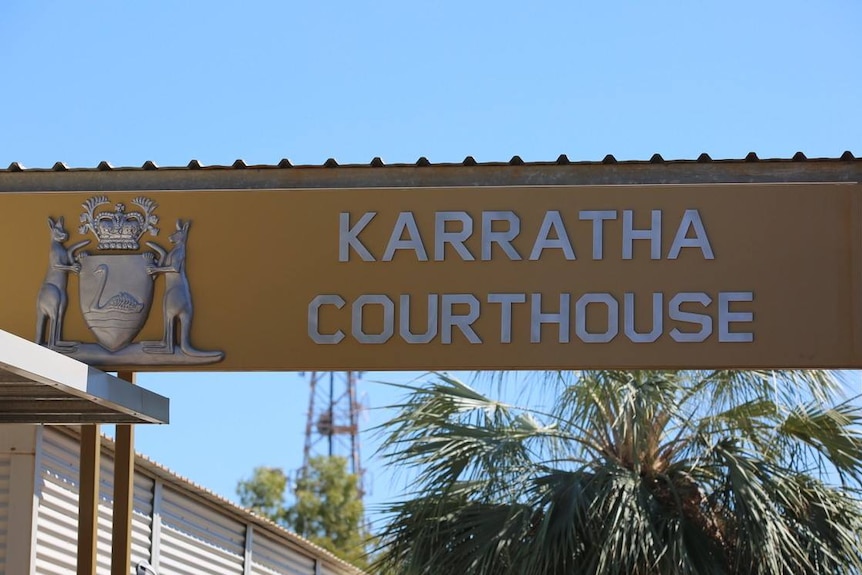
[[215, 81]]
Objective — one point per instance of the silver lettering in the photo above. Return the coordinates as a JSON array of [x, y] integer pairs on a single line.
[[455, 239], [506, 300], [314, 319], [502, 239], [349, 237], [404, 320], [537, 318], [691, 219], [629, 319], [463, 322], [554, 221], [653, 234], [407, 223], [598, 218], [703, 320], [581, 318], [358, 312], [725, 317]]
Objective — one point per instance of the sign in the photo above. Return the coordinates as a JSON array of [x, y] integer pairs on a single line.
[[521, 277]]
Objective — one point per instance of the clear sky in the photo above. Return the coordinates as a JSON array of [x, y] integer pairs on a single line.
[[171, 81]]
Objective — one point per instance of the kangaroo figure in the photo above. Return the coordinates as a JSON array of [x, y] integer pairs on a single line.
[[178, 297], [52, 301]]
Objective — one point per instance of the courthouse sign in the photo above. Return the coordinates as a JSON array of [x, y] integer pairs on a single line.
[[537, 267]]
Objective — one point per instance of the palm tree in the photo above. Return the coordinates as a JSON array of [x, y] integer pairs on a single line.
[[630, 472]]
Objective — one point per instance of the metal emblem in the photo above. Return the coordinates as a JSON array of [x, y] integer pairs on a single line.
[[116, 289], [116, 295]]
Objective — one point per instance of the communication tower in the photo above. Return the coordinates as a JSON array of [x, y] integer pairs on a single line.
[[332, 425]]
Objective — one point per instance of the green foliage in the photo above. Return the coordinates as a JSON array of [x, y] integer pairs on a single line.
[[327, 509], [263, 493], [631, 472]]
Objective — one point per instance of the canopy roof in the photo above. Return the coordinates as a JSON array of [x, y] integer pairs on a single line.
[[38, 385]]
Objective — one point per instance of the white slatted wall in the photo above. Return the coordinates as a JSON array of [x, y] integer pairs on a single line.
[[270, 557], [142, 519], [330, 569], [57, 520], [196, 539], [5, 477], [105, 523], [142, 516]]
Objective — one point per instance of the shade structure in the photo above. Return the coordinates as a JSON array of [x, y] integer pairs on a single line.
[[39, 385]]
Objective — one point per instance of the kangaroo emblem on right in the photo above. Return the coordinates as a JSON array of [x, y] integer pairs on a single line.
[[178, 297]]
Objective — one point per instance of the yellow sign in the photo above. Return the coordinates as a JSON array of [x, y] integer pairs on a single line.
[[662, 276]]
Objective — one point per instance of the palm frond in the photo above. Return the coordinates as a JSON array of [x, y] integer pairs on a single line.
[[635, 472]]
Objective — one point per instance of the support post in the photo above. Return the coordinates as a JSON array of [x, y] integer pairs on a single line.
[[88, 499], [124, 487]]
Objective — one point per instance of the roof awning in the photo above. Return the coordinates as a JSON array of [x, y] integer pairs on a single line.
[[38, 385]]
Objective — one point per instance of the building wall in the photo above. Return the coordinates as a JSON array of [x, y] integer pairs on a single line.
[[57, 511], [18, 457], [5, 477], [179, 528]]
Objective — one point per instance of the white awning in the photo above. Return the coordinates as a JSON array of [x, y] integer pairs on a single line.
[[38, 385]]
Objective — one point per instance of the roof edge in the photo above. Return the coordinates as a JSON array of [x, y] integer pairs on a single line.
[[332, 175], [422, 162]]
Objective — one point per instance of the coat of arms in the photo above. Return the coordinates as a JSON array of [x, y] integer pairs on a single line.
[[116, 288]]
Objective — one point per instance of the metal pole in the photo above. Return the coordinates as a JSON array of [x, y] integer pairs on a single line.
[[88, 499], [124, 486], [331, 432], [355, 459], [309, 422]]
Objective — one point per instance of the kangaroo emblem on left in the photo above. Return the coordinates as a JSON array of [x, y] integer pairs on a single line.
[[52, 301]]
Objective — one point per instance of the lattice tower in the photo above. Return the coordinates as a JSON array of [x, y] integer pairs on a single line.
[[332, 424]]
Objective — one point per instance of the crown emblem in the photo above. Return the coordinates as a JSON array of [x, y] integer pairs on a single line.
[[119, 230]]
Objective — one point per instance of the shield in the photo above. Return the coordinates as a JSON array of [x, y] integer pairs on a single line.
[[116, 294]]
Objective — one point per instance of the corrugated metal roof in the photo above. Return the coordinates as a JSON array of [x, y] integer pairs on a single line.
[[656, 170], [330, 174], [378, 162]]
